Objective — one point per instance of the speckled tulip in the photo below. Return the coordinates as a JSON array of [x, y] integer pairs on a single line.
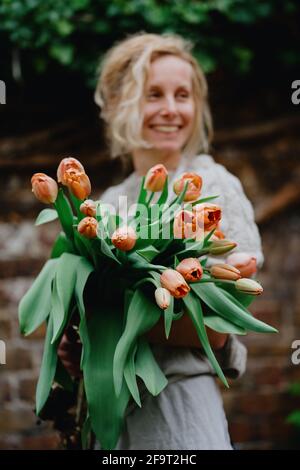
[[124, 238], [190, 269], [88, 227], [194, 186], [44, 188], [175, 283], [156, 178]]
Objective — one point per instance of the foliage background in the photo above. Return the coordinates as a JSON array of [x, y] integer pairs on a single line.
[[236, 35]]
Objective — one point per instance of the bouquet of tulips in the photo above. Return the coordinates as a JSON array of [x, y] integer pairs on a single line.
[[120, 275]]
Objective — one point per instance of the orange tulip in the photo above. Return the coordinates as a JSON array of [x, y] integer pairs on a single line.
[[225, 271], [88, 227], [68, 163], [88, 208], [175, 283], [248, 286], [185, 225], [190, 269], [124, 238], [244, 262], [78, 182], [193, 189], [207, 215], [44, 188], [162, 297], [156, 178]]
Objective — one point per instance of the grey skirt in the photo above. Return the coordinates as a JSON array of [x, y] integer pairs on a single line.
[[187, 414]]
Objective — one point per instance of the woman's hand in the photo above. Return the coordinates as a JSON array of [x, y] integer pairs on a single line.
[[183, 333], [69, 351]]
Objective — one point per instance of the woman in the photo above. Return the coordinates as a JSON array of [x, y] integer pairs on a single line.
[[153, 98]]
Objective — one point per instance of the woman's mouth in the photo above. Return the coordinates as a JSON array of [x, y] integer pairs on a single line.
[[166, 129]]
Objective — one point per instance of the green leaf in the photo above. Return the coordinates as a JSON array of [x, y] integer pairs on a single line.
[[105, 408], [229, 308], [221, 325], [45, 216], [156, 277], [294, 418], [101, 246], [148, 253], [84, 270], [204, 199], [168, 316], [63, 53], [192, 249], [63, 288], [129, 374], [148, 370], [76, 204], [294, 389], [142, 315], [35, 305], [61, 245], [244, 299], [194, 310], [64, 210], [48, 368]]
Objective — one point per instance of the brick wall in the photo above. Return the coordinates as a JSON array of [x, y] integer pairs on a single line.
[[257, 404]]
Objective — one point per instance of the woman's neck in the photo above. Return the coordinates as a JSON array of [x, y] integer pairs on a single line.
[[144, 159]]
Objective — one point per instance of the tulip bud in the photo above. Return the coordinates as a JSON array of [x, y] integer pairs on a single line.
[[248, 286], [194, 186], [88, 208], [245, 263], [156, 178], [44, 188], [225, 271], [219, 247], [124, 238], [78, 182], [67, 164], [190, 269], [208, 215], [88, 227], [162, 297], [175, 283]]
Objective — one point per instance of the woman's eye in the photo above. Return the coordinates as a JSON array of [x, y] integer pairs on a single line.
[[183, 95], [153, 94]]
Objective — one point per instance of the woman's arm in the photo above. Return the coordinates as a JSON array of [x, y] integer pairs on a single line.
[[183, 333]]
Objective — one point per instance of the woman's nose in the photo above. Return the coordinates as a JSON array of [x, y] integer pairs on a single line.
[[169, 107]]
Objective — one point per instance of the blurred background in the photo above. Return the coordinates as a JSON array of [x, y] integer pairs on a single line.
[[49, 53]]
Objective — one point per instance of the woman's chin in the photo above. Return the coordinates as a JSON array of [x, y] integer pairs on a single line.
[[167, 147]]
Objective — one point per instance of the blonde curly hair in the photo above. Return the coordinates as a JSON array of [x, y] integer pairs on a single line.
[[120, 87]]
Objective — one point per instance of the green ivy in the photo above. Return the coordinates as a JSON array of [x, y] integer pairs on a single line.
[[73, 34]]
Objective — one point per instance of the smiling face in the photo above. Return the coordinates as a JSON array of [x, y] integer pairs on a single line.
[[168, 105]]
